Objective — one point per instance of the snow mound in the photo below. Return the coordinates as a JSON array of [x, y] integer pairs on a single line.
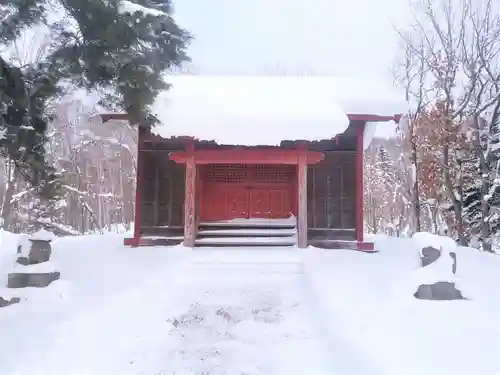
[[96, 269], [23, 245], [441, 269], [368, 298], [424, 239], [43, 235], [8, 254]]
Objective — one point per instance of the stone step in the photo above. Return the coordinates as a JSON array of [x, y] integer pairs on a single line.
[[246, 241]]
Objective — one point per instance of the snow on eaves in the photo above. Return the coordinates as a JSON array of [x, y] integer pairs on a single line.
[[263, 110]]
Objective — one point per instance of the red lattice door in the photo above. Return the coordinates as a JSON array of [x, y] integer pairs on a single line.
[[271, 191], [223, 193], [230, 191]]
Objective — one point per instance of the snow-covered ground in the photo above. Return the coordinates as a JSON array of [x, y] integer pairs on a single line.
[[162, 311], [370, 302]]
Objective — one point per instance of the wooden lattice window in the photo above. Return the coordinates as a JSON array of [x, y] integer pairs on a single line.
[[273, 173], [226, 173]]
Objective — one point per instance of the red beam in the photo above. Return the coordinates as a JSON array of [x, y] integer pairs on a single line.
[[302, 198], [138, 188], [373, 118], [367, 247], [189, 200], [245, 156], [130, 241], [359, 182], [105, 117]]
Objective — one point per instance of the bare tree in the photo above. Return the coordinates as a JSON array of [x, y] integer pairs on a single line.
[[412, 73], [456, 42], [99, 164]]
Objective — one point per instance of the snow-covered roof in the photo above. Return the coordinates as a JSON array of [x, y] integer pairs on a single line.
[[263, 110]]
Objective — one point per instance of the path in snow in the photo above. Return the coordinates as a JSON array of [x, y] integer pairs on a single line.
[[243, 317], [227, 312]]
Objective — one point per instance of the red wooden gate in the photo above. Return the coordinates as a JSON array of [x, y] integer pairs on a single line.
[[230, 191]]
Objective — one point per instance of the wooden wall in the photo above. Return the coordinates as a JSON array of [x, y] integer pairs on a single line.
[[162, 195], [331, 197]]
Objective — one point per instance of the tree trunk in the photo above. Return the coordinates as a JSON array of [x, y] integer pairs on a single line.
[[434, 213], [455, 194], [12, 175], [485, 207], [484, 170], [415, 188]]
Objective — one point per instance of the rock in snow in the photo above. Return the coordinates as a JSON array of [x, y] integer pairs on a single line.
[[39, 252], [35, 280], [12, 301], [33, 268], [444, 290], [440, 291], [429, 255]]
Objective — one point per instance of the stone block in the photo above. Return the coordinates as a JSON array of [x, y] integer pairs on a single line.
[[35, 280], [439, 291]]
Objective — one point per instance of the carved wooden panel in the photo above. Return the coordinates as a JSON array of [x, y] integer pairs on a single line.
[[246, 191], [271, 203]]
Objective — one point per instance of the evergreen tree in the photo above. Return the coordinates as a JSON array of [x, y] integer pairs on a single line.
[[117, 47], [482, 196], [385, 161], [385, 164]]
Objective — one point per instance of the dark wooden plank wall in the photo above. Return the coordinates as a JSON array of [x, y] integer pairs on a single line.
[[331, 198], [162, 198]]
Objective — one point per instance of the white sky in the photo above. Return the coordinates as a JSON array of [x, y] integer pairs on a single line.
[[339, 37], [323, 37]]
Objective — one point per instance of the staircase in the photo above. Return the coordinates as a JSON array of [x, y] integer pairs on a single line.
[[247, 232]]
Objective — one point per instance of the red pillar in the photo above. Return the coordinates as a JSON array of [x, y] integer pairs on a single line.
[[189, 200], [138, 187], [302, 198], [359, 183]]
